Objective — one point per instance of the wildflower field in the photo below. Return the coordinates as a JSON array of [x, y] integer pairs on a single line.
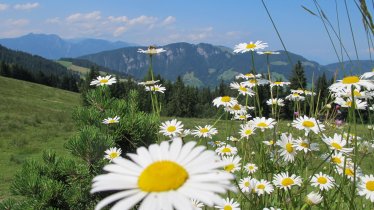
[[103, 152]]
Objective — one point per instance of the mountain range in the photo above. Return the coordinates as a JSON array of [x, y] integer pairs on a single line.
[[54, 47], [198, 64]]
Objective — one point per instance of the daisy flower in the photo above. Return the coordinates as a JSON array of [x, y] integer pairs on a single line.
[[243, 90], [236, 109], [309, 93], [248, 76], [197, 205], [308, 124], [246, 130], [184, 133], [356, 81], [263, 123], [287, 151], [232, 138], [101, 81], [275, 101], [241, 117], [110, 120], [357, 104], [278, 84], [323, 181], [171, 128], [246, 47], [165, 176], [368, 75], [251, 168], [206, 132], [295, 97], [337, 158], [366, 187], [225, 101], [298, 91], [268, 52], [216, 143], [155, 88], [269, 143], [149, 83], [348, 171], [245, 184], [112, 153], [313, 198], [232, 163], [253, 82], [152, 50], [284, 181], [337, 143], [226, 150], [304, 145], [228, 204], [347, 93], [262, 186]]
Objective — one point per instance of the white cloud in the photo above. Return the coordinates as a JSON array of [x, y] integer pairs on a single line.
[[17, 22], [3, 7], [53, 20], [143, 20], [169, 20], [201, 34], [120, 19], [119, 31], [78, 17], [26, 6]]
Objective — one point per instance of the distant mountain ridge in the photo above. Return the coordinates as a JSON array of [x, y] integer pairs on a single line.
[[201, 64], [54, 47]]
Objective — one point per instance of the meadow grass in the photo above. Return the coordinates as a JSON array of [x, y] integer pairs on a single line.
[[33, 118]]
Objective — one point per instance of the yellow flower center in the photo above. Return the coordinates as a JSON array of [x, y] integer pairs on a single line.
[[251, 46], [357, 93], [104, 81], [370, 185], [305, 145], [308, 124], [242, 88], [289, 147], [261, 186], [171, 128], [229, 167], [204, 130], [236, 107], [262, 125], [242, 117], [336, 160], [271, 142], [248, 132], [162, 176], [227, 207], [113, 155], [225, 99], [348, 103], [287, 181], [349, 172], [253, 81], [350, 80], [111, 121], [246, 184], [278, 83], [226, 150], [322, 180], [295, 95], [249, 75], [336, 146], [251, 168]]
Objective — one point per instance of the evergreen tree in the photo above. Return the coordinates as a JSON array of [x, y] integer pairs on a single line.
[[298, 79]]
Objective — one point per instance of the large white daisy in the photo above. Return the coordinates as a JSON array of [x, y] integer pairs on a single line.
[[243, 90], [263, 123], [225, 101], [245, 184], [171, 128], [152, 50], [164, 176], [275, 101], [246, 47], [246, 130], [262, 186], [357, 104], [323, 181], [207, 131], [308, 124], [155, 88], [232, 163], [226, 150], [366, 187], [101, 81], [278, 84], [337, 143], [295, 97], [356, 81], [287, 151], [284, 181], [112, 153], [228, 204], [301, 144], [251, 168], [253, 82], [248, 76]]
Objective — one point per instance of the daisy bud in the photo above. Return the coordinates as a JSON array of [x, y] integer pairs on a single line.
[[253, 153], [328, 106], [370, 127], [288, 124], [313, 198]]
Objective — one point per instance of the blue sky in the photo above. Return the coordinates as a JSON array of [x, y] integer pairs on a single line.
[[219, 22]]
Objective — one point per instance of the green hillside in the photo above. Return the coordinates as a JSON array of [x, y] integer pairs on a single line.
[[33, 118]]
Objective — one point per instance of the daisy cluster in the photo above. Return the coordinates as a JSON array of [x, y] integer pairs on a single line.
[[266, 165]]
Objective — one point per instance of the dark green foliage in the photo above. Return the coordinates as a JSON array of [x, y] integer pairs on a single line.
[[298, 79]]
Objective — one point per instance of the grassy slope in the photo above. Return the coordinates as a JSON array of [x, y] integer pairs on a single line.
[[33, 118]]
